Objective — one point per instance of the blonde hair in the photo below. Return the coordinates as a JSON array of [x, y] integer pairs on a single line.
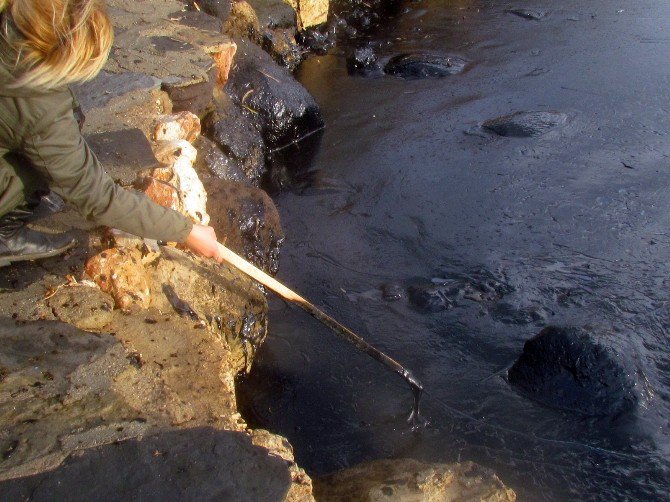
[[59, 42]]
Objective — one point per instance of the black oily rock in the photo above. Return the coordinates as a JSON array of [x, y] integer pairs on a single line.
[[431, 297], [570, 368], [212, 160], [424, 65], [526, 124], [238, 136], [362, 60], [287, 111]]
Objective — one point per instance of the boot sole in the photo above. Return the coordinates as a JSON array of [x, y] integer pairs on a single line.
[[7, 260]]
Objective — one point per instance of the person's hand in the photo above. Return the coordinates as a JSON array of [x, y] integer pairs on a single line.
[[202, 240]]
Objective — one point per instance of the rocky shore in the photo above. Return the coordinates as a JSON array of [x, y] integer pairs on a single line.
[[118, 360]]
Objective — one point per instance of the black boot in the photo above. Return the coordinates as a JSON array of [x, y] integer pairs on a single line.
[[19, 242]]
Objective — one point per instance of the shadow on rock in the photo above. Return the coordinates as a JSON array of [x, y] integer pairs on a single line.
[[192, 464]]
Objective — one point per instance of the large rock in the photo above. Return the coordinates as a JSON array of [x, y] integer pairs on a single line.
[[211, 160], [217, 8], [215, 297], [573, 369], [237, 132], [310, 12], [114, 101], [407, 479], [192, 464], [286, 109], [188, 60], [123, 152], [247, 219]]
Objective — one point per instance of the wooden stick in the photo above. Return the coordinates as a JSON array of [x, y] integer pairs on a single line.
[[341, 330]]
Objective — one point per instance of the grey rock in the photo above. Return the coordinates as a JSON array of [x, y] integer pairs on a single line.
[[274, 13], [217, 8], [190, 464], [123, 153], [421, 65], [106, 86], [526, 124], [191, 95], [198, 19], [573, 369]]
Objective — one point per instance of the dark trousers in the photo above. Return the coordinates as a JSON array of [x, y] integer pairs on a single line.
[[20, 185]]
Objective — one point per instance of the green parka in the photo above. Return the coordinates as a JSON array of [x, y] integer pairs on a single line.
[[41, 129]]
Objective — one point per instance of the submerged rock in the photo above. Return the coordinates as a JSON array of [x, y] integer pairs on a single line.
[[363, 60], [392, 292], [526, 124], [287, 111], [573, 369], [424, 65], [248, 220], [431, 297], [530, 14], [477, 285], [408, 479]]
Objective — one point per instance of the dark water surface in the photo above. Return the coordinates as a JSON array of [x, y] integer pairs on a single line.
[[569, 228]]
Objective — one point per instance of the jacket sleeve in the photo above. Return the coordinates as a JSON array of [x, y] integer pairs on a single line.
[[57, 149]]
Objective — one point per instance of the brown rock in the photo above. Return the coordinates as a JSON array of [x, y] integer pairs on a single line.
[[301, 486], [120, 273], [193, 95], [161, 192], [223, 57], [183, 125], [408, 479], [243, 22], [310, 12], [247, 219], [218, 296], [89, 309]]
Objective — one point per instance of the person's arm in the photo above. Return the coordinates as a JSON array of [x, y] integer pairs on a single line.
[[57, 149]]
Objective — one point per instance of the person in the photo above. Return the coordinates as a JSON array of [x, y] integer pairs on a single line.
[[44, 47]]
